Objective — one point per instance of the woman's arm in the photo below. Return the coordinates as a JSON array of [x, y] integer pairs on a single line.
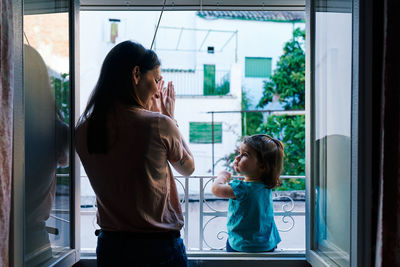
[[220, 188], [166, 105], [185, 165]]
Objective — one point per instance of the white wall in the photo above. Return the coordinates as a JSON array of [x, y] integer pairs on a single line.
[[255, 39], [194, 109]]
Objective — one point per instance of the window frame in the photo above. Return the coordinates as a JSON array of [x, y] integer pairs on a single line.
[[290, 5], [362, 99], [361, 136], [292, 258], [16, 254], [361, 102]]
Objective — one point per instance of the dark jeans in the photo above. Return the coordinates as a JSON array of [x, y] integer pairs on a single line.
[[230, 249], [119, 249]]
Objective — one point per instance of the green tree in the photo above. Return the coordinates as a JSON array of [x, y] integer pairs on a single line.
[[288, 79], [288, 82], [61, 95], [290, 130], [251, 121]]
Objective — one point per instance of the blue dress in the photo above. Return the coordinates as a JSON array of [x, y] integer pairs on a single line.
[[251, 225]]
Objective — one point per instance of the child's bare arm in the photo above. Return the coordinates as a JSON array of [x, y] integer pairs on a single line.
[[220, 188]]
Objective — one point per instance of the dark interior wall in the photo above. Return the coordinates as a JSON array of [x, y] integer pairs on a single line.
[[378, 131]]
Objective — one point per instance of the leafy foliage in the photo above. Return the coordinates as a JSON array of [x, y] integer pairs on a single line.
[[250, 120], [290, 130], [222, 88], [227, 161], [61, 93], [62, 100], [288, 80]]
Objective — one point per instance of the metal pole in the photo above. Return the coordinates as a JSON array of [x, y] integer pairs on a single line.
[[179, 39], [236, 48], [204, 40], [245, 124], [187, 212], [212, 141], [201, 200]]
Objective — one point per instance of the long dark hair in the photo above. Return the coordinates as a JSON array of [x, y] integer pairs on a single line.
[[115, 85], [270, 152]]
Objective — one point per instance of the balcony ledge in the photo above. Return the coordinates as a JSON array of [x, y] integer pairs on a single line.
[[286, 258], [236, 255]]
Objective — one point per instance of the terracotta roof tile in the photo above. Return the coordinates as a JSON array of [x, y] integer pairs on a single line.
[[254, 15]]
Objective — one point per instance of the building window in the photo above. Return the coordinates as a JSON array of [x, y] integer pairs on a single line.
[[201, 132], [209, 80], [258, 67]]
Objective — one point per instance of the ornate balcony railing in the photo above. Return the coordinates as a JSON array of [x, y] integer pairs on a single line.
[[208, 213], [198, 232]]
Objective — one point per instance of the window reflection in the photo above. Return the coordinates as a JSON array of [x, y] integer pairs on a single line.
[[47, 109], [332, 154]]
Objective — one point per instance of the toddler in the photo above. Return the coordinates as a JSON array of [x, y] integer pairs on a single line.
[[251, 225]]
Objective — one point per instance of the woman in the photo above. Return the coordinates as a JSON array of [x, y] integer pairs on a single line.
[[46, 148], [126, 138]]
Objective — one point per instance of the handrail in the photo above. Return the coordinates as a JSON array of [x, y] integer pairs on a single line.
[[207, 213]]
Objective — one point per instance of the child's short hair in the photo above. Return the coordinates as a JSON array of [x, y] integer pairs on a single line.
[[270, 155]]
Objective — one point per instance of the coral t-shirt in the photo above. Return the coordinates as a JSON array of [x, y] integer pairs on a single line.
[[134, 185]]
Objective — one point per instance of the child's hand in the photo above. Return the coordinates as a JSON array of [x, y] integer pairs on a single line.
[[225, 176], [220, 188]]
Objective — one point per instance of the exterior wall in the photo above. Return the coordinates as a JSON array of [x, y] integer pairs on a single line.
[[254, 39], [46, 33], [194, 109]]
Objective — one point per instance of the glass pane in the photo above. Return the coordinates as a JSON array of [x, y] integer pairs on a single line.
[[183, 53], [332, 155], [47, 138]]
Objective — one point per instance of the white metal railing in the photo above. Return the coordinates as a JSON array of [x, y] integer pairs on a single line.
[[286, 213], [207, 213], [191, 83]]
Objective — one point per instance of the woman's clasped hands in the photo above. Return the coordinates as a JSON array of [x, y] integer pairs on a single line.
[[164, 100]]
